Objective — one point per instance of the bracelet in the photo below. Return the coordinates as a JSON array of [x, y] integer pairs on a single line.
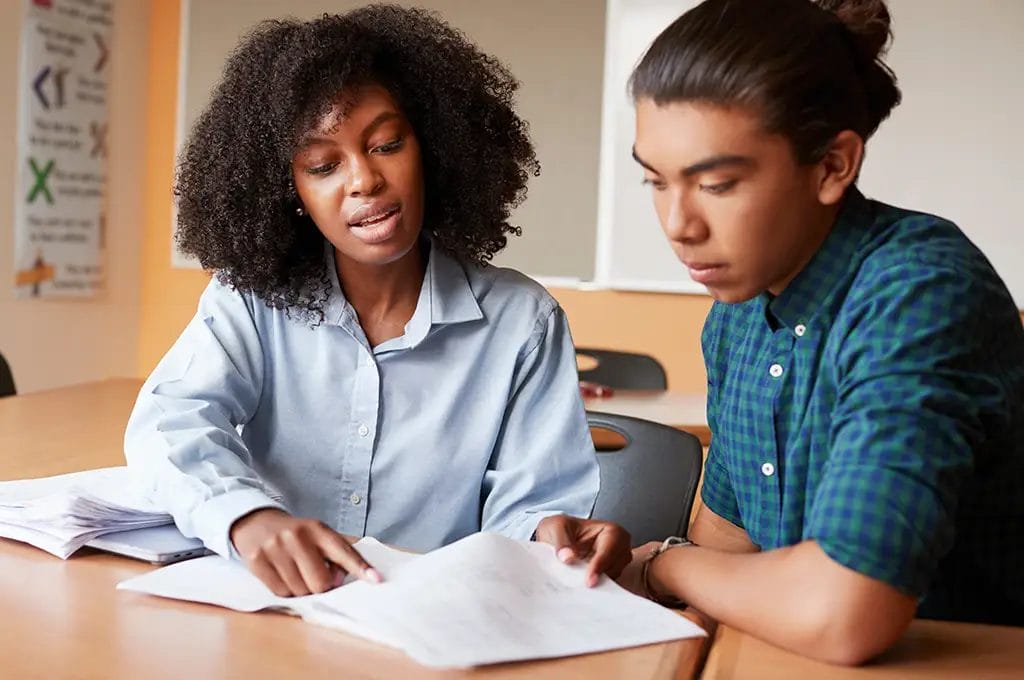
[[645, 583]]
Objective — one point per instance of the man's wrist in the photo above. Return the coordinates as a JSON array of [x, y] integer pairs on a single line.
[[649, 582]]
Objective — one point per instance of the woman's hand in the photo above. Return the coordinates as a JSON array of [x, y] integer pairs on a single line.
[[604, 544], [296, 556], [631, 576]]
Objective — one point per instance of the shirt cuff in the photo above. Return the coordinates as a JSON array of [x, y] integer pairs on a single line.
[[213, 519], [524, 527]]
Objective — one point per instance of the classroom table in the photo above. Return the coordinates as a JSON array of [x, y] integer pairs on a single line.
[[932, 650], [682, 410], [64, 619]]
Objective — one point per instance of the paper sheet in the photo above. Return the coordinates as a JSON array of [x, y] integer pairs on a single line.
[[488, 599], [485, 599], [226, 583], [60, 514]]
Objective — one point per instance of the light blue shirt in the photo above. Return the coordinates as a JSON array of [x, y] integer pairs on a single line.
[[471, 420]]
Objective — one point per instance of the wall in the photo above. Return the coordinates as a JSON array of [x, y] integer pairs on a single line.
[[169, 295], [559, 62], [48, 342], [665, 325]]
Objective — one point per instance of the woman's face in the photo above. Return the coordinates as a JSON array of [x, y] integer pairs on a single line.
[[737, 208], [359, 176]]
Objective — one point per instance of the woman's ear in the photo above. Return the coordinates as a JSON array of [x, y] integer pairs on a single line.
[[839, 167]]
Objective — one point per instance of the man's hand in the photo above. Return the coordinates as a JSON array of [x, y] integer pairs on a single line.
[[296, 556], [604, 544]]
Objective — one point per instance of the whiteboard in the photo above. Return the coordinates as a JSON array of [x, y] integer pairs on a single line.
[[556, 51], [632, 253], [953, 147]]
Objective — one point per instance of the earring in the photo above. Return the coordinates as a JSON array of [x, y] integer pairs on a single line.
[[299, 211]]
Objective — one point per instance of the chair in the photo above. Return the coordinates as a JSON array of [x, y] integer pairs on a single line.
[[623, 370], [649, 485], [6, 379]]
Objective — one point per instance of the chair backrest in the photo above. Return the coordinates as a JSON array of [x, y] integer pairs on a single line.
[[623, 370], [648, 486], [6, 379]]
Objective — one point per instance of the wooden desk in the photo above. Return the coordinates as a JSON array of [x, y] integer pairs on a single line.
[[63, 619], [930, 649], [682, 410]]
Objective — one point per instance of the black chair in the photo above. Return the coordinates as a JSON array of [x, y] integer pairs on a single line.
[[6, 379], [649, 485], [623, 370]]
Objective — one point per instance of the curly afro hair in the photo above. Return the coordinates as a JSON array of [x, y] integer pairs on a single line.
[[236, 205]]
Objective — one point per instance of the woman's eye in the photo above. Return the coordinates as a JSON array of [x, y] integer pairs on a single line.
[[388, 147], [322, 169]]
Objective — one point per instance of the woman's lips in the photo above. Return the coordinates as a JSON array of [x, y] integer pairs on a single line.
[[368, 213], [378, 229]]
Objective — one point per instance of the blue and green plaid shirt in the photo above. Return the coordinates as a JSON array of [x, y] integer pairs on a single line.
[[876, 407]]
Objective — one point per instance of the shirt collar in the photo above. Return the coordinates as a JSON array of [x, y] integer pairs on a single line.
[[811, 288], [445, 296]]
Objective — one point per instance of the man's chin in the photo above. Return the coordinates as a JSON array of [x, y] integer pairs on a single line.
[[731, 295]]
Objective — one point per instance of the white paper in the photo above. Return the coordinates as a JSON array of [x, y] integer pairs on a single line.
[[227, 583], [60, 514], [485, 599], [488, 599]]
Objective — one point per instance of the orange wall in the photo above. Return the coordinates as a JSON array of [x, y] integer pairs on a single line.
[[169, 295], [664, 325]]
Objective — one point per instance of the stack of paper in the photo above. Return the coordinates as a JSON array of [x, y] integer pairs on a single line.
[[61, 514], [485, 599]]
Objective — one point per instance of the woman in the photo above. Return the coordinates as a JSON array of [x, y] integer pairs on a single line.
[[355, 367], [865, 363]]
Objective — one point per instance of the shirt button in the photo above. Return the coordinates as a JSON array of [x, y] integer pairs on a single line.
[[775, 370], [363, 430], [767, 469], [356, 499], [800, 330]]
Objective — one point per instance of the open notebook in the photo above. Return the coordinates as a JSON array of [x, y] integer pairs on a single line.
[[485, 599]]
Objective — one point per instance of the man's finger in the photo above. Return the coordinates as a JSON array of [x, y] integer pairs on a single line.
[[339, 551]]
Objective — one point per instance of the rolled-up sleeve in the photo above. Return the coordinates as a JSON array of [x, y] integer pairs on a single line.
[[182, 441], [544, 461], [910, 412], [716, 492]]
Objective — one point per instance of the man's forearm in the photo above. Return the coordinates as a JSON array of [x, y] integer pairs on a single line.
[[795, 597]]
